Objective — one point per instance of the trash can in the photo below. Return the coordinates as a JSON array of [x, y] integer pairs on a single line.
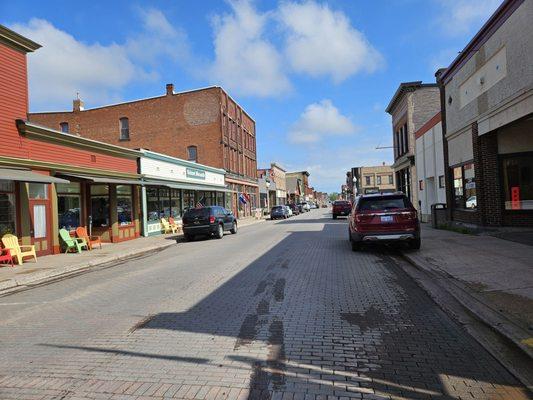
[[438, 214]]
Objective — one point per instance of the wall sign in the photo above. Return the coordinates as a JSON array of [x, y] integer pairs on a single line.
[[195, 173]]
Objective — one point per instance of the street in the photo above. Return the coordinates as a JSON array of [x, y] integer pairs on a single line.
[[282, 309]]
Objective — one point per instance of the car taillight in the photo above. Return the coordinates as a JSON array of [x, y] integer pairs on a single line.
[[212, 219], [408, 215], [362, 217]]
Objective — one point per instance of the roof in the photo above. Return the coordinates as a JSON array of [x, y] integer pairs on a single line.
[[504, 11], [17, 41], [298, 173], [404, 88]]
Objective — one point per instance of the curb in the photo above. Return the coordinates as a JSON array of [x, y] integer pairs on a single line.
[[496, 320], [46, 276]]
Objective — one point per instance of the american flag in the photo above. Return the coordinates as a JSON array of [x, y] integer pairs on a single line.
[[200, 203]]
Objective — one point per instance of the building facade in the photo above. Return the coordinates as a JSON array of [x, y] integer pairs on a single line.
[[49, 180], [412, 105], [487, 99], [297, 184], [272, 184], [205, 126], [429, 161], [366, 180]]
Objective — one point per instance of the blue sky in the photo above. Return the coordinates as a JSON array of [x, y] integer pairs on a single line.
[[315, 75]]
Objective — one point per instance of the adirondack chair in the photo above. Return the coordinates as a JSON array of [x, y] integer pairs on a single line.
[[72, 243], [5, 257], [81, 233], [167, 228], [173, 223], [18, 251]]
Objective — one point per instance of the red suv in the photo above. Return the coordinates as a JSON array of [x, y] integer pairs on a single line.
[[385, 217], [341, 207]]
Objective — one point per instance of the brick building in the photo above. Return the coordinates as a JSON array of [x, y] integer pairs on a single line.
[[297, 186], [487, 118], [375, 179], [205, 126], [413, 104], [274, 185]]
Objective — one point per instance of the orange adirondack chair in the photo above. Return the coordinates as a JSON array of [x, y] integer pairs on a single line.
[[173, 223], [81, 232], [5, 257]]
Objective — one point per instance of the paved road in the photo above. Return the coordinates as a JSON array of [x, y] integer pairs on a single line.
[[282, 309]]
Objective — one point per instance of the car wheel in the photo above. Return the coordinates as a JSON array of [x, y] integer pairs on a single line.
[[356, 246], [220, 232], [233, 230], [188, 238], [415, 244]]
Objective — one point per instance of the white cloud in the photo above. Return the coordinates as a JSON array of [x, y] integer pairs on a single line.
[[319, 120], [66, 65], [321, 42], [245, 62], [460, 17]]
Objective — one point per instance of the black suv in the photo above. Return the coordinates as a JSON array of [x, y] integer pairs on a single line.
[[212, 220]]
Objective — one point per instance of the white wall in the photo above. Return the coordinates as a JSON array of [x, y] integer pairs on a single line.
[[429, 161], [166, 170]]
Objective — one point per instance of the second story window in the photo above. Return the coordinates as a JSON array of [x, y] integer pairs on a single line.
[[64, 127], [192, 153], [124, 129]]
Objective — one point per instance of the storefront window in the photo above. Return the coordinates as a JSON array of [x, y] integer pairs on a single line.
[[124, 204], [100, 205], [220, 199], [68, 205], [175, 203], [164, 201], [518, 182], [152, 203], [188, 199], [464, 186], [7, 208], [38, 191]]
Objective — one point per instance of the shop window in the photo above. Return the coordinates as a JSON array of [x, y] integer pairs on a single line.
[[518, 182], [220, 199], [124, 204], [152, 204], [367, 180], [378, 180], [175, 203], [100, 205], [441, 182], [38, 191], [188, 199], [390, 180], [124, 128], [420, 185], [68, 205], [192, 153], [64, 127], [8, 216], [464, 186]]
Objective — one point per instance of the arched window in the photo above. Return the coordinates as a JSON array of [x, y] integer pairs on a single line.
[[124, 129], [192, 153], [64, 127]]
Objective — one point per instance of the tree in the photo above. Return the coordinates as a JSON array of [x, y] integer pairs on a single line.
[[333, 196]]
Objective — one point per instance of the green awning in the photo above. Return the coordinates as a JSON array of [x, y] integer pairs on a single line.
[[105, 179], [185, 185], [25, 175]]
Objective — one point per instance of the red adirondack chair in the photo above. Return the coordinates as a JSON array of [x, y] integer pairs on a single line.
[[5, 255]]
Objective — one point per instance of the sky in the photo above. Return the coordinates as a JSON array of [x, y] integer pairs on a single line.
[[316, 76]]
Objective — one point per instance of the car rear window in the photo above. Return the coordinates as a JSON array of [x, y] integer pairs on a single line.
[[383, 203], [197, 212], [341, 203], [277, 208]]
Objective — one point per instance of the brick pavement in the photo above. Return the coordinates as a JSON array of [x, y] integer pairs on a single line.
[[282, 310]]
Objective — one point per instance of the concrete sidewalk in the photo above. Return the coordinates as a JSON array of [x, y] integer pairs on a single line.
[[59, 265], [492, 277]]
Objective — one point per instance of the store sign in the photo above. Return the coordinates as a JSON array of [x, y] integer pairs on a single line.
[[195, 173]]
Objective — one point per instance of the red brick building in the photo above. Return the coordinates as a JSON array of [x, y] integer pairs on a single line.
[[204, 125]]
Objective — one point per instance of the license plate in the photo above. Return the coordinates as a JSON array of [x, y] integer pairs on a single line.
[[386, 218]]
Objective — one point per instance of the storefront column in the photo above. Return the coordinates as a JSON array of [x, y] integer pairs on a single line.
[[113, 215], [56, 246], [24, 214], [136, 209], [144, 211]]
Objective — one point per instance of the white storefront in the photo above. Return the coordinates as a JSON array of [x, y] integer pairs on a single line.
[[429, 161], [172, 185]]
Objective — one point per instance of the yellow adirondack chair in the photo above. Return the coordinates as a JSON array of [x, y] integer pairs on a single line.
[[167, 228], [18, 251]]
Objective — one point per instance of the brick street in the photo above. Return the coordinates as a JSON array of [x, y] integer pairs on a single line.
[[282, 309]]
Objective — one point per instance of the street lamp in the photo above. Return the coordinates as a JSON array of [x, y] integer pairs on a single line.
[[267, 184], [354, 187]]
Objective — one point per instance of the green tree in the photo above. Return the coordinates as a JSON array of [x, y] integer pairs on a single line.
[[333, 196]]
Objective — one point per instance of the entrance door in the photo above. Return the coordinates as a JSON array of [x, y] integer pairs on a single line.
[[40, 226]]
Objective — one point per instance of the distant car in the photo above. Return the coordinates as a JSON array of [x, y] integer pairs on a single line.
[[312, 205], [208, 221], [279, 212], [294, 208], [288, 210], [386, 217], [305, 206], [341, 208], [471, 202]]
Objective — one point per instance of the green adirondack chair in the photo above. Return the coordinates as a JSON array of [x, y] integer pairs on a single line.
[[72, 243]]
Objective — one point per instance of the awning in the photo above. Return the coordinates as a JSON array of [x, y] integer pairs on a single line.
[[104, 179], [25, 175], [186, 186]]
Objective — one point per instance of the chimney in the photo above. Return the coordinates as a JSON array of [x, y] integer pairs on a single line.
[[170, 89], [77, 104]]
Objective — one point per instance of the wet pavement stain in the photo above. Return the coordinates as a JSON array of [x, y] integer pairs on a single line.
[[261, 286], [263, 307], [285, 264], [279, 290], [276, 353], [248, 331], [370, 319]]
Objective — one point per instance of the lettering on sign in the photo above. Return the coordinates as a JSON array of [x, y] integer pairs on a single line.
[[195, 173]]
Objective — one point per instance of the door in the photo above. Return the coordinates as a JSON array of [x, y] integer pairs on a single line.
[[40, 218]]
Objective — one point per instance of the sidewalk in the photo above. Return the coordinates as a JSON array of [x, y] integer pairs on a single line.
[[491, 276]]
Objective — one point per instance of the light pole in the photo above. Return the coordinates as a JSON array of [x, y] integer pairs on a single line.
[[267, 184], [354, 187]]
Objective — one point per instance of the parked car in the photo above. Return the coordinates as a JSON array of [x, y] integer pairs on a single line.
[[289, 210], [305, 206], [212, 220], [294, 208], [471, 202], [385, 217], [279, 212], [341, 207]]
